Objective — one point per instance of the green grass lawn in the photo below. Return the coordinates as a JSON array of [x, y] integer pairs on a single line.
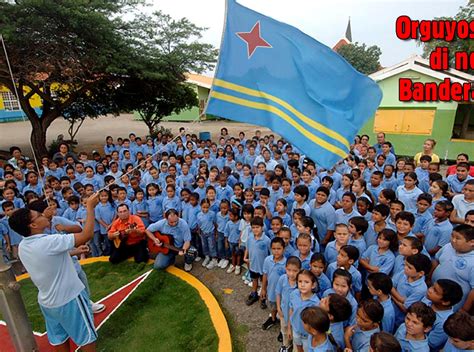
[[163, 314]]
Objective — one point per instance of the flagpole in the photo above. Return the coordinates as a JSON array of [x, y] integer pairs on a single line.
[[219, 57]]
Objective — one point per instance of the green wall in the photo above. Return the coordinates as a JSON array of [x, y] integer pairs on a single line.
[[407, 144]]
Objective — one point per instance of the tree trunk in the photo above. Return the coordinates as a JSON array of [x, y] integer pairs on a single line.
[[38, 140]]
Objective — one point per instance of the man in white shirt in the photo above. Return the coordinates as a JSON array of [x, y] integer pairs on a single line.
[[62, 297]]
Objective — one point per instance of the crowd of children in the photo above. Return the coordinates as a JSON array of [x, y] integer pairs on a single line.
[[375, 254]]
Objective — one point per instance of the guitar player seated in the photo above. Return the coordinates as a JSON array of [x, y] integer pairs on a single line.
[[127, 233]]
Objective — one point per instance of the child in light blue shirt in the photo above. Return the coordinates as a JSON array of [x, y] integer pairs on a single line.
[[459, 328], [409, 286], [421, 318], [316, 323], [441, 297], [380, 285], [379, 257], [369, 317]]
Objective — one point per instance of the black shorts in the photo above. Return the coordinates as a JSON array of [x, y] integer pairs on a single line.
[[254, 275]]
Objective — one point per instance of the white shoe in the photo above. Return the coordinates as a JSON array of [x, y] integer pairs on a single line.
[[219, 265], [231, 269], [246, 282], [250, 283], [212, 264], [237, 270], [97, 307], [197, 259], [188, 267], [206, 261], [224, 265]]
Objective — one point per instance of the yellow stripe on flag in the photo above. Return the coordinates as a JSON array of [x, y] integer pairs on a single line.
[[301, 116], [274, 110]]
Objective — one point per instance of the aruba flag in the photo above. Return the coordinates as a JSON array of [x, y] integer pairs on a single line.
[[272, 74]]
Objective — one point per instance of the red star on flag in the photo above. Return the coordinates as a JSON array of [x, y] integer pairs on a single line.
[[253, 39]]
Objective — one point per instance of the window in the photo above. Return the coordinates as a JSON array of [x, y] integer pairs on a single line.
[[410, 121], [9, 101]]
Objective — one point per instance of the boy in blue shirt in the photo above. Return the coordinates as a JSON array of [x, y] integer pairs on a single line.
[[409, 286], [232, 235], [418, 322], [347, 211], [71, 212], [438, 231], [422, 215], [380, 285], [346, 258], [459, 328], [273, 268], [47, 260], [441, 297], [257, 249], [455, 261]]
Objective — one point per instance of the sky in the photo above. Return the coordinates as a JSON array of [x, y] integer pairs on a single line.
[[372, 21]]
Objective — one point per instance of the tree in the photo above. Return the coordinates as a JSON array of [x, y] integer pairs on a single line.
[[80, 56], [173, 45], [467, 45], [364, 59]]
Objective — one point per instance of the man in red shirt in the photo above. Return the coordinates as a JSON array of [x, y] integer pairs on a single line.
[[128, 236], [461, 158]]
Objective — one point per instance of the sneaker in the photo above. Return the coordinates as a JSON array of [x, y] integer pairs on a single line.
[[253, 297], [280, 337], [97, 307], [188, 267], [206, 261], [263, 305], [197, 259], [212, 264], [237, 270], [231, 269], [246, 282], [268, 323], [224, 264], [250, 283]]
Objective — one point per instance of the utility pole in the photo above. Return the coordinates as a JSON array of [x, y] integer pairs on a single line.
[[14, 312]]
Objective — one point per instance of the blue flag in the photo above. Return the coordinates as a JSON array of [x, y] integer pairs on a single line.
[[272, 74]]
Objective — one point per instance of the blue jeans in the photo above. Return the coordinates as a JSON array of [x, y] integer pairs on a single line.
[[162, 261], [222, 252], [209, 244]]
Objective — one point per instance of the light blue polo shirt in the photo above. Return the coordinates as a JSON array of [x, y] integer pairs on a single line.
[[356, 276], [297, 305], [436, 336], [324, 217], [455, 266], [258, 250], [384, 261], [412, 291], [180, 232], [343, 218], [438, 234], [326, 346], [284, 290], [410, 345], [273, 270], [47, 260], [361, 339]]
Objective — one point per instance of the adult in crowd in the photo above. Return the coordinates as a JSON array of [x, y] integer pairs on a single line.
[[463, 203], [428, 149], [380, 141], [461, 158], [63, 152], [17, 155], [172, 225], [266, 158], [128, 234]]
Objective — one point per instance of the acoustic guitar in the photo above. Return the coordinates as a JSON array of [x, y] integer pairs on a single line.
[[124, 234], [166, 244]]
